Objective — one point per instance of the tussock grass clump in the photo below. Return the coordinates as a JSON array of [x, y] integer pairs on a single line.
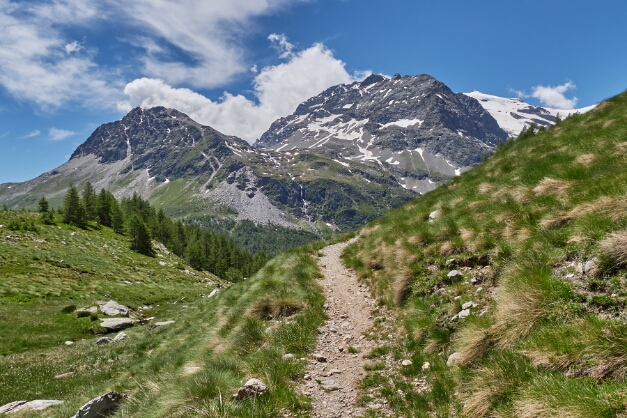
[[615, 248], [275, 307]]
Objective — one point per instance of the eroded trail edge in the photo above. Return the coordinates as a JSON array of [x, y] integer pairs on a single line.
[[338, 364]]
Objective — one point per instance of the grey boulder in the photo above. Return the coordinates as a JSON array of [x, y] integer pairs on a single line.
[[101, 406], [253, 387], [37, 405], [112, 308], [104, 340], [117, 324]]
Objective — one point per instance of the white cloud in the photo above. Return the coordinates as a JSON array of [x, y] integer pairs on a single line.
[[59, 134], [34, 62], [281, 44], [554, 96], [208, 32], [278, 91], [73, 46], [36, 132]]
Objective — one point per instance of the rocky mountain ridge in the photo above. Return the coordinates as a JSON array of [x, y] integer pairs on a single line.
[[414, 127]]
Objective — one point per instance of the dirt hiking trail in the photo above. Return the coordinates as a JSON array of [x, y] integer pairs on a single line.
[[337, 366]]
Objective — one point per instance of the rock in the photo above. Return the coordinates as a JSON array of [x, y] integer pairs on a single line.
[[453, 359], [104, 340], [93, 309], [288, 356], [590, 268], [36, 405], [434, 215], [454, 273], [213, 292], [426, 366], [473, 280], [64, 375], [334, 371], [117, 324], [469, 305], [69, 343], [307, 377], [330, 385], [407, 363], [121, 336], [450, 261], [112, 308], [463, 313], [319, 358], [101, 406], [160, 324], [253, 387]]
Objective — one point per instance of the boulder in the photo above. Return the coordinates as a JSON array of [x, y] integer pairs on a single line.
[[434, 215], [101, 406], [453, 359], [253, 387], [121, 336], [117, 324], [36, 405], [454, 273], [104, 341], [112, 308], [160, 324]]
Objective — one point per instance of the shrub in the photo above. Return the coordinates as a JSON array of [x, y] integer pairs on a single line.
[[68, 309]]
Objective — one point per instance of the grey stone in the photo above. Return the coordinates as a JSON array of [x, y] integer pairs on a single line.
[[463, 313], [407, 362], [454, 273], [36, 405], [100, 406], [334, 371], [426, 366], [93, 309], [64, 375], [453, 359], [469, 305], [288, 356], [69, 342], [213, 293], [104, 340], [121, 336], [330, 385], [117, 324], [450, 261], [319, 358], [590, 267], [160, 324], [434, 215], [253, 387], [112, 308]]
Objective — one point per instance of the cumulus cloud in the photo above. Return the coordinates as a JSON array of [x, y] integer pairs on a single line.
[[281, 44], [35, 60], [554, 96], [278, 90], [59, 134], [36, 132], [208, 32], [73, 46]]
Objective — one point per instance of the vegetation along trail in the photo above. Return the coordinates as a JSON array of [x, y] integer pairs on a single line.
[[338, 362]]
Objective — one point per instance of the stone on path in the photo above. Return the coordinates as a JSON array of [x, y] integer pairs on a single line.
[[319, 358], [253, 387], [36, 405], [117, 324], [100, 406], [330, 385]]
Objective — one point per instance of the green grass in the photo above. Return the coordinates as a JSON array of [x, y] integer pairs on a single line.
[[533, 210], [187, 369]]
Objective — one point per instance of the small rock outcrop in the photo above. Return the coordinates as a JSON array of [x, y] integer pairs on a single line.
[[104, 340], [21, 406], [253, 387], [101, 406], [117, 324], [121, 336], [112, 308]]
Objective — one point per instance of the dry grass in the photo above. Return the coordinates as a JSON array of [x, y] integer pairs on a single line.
[[621, 148], [467, 234], [518, 310], [521, 195], [608, 123], [549, 186], [485, 188], [615, 247], [586, 159], [366, 231], [275, 307], [402, 286], [473, 342], [533, 408]]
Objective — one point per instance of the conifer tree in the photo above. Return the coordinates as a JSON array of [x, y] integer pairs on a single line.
[[43, 205], [139, 235], [90, 202], [73, 210]]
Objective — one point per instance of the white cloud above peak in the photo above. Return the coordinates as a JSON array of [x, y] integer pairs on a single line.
[[278, 90], [56, 134], [554, 96]]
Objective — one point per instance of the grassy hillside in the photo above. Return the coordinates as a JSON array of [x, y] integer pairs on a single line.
[[186, 369], [537, 236]]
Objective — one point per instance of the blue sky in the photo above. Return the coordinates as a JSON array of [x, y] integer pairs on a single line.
[[67, 66]]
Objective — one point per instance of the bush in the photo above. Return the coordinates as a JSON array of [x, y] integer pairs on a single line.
[[68, 309]]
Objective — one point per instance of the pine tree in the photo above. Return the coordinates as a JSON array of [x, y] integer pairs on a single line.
[[117, 217], [104, 207], [90, 202], [73, 210], [139, 235], [47, 215], [43, 205]]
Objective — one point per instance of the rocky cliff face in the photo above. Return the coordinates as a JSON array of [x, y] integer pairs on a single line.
[[414, 127]]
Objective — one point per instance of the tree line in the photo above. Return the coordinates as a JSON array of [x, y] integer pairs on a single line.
[[137, 219]]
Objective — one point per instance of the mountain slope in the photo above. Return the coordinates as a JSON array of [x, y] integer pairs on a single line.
[[509, 281], [415, 127], [514, 114], [196, 173]]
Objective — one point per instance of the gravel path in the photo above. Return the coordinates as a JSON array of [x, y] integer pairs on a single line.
[[337, 365]]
